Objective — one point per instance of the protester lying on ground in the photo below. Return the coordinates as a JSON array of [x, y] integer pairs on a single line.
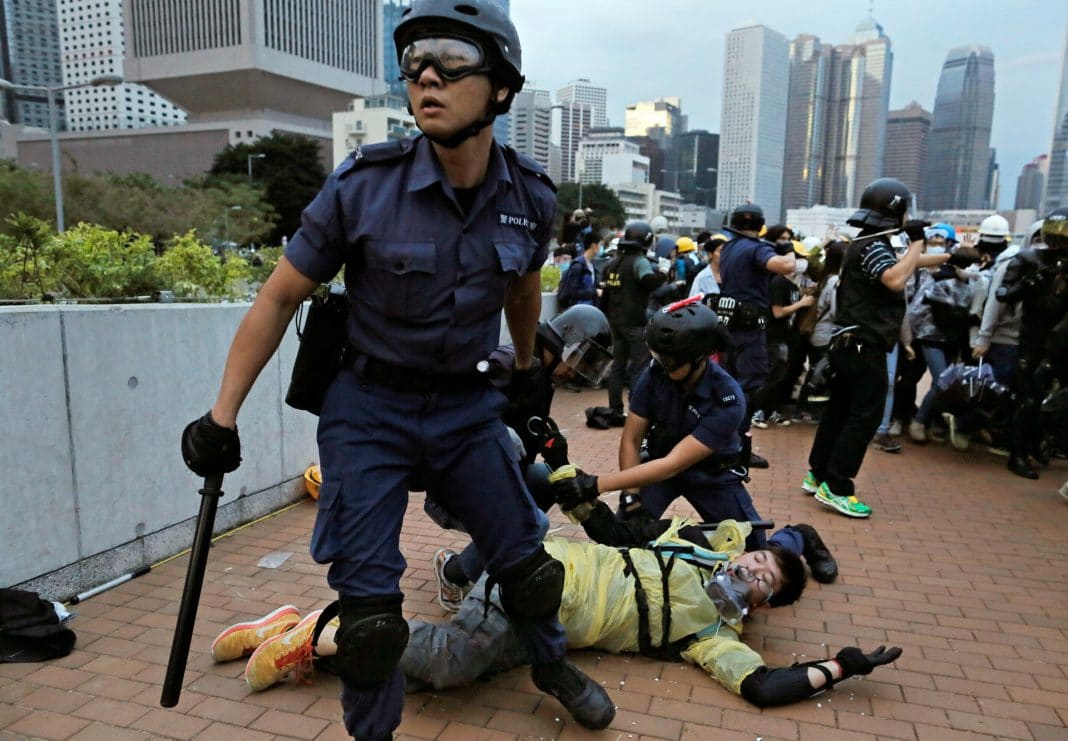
[[688, 604]]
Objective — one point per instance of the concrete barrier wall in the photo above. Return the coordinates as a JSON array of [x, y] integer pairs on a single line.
[[93, 400]]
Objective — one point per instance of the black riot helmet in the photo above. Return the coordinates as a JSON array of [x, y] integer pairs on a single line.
[[1055, 230], [684, 332], [581, 338], [883, 205], [748, 217], [637, 237], [484, 21]]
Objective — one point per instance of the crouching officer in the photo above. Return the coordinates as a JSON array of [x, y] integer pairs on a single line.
[[745, 265], [1038, 281], [437, 235]]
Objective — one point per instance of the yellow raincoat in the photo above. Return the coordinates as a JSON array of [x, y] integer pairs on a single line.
[[599, 609]]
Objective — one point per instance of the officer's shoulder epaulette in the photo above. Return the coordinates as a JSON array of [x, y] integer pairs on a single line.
[[528, 164], [373, 154]]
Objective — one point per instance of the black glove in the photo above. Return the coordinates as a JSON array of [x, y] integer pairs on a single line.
[[572, 491], [854, 661], [963, 257], [554, 450], [210, 449], [915, 229], [527, 391]]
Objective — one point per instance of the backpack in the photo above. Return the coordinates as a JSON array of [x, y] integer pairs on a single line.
[[30, 629]]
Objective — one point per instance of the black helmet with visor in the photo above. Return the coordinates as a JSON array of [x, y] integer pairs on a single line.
[[582, 339], [684, 332]]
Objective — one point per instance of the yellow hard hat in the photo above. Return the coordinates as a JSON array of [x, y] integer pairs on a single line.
[[685, 244], [313, 479], [763, 231]]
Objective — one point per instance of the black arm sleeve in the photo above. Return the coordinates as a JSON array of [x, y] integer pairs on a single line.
[[768, 688], [603, 527], [652, 280]]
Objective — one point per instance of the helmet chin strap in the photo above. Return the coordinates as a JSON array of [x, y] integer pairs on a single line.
[[452, 142]]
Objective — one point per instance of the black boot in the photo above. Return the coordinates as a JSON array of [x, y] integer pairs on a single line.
[[586, 700], [1020, 466], [820, 561], [749, 459], [758, 461]]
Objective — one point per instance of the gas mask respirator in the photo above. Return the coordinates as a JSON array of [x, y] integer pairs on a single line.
[[730, 591]]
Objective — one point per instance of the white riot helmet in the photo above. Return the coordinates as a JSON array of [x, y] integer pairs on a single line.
[[994, 227]]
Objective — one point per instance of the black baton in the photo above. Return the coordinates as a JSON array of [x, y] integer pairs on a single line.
[[194, 580], [756, 525]]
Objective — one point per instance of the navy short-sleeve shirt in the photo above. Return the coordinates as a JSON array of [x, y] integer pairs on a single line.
[[711, 411], [743, 269], [426, 281]]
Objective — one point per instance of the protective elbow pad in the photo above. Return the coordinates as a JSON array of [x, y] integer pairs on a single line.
[[532, 589], [371, 639], [768, 688]]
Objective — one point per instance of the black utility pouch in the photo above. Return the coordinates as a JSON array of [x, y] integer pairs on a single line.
[[323, 340]]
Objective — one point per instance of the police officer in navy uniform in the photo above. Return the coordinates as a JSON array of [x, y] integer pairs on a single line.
[[436, 235], [629, 279], [870, 309], [746, 265], [686, 410]]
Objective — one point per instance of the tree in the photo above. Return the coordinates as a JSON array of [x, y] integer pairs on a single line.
[[23, 191], [290, 175], [608, 212]]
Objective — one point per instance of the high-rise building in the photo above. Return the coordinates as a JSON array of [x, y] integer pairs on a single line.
[[1032, 183], [958, 161], [532, 125], [91, 38], [391, 18], [580, 106], [907, 134], [1057, 181], [836, 135], [269, 60], [380, 118], [810, 69], [696, 166], [606, 156], [502, 125], [30, 55], [756, 76]]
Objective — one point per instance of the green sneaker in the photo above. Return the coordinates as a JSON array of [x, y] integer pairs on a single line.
[[810, 485], [848, 506]]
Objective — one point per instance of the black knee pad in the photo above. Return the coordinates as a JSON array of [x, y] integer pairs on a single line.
[[371, 639], [532, 588]]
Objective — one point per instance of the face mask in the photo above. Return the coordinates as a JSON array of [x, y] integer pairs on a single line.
[[600, 251], [802, 266], [730, 591], [936, 250]]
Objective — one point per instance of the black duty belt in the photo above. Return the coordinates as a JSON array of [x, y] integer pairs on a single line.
[[400, 378]]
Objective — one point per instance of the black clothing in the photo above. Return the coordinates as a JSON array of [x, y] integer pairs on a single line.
[[863, 301]]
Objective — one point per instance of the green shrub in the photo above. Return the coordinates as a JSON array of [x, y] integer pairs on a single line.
[[550, 278]]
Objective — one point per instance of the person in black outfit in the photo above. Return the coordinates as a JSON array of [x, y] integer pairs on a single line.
[[869, 314], [1038, 280]]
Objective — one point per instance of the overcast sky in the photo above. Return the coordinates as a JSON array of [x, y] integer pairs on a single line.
[[644, 49]]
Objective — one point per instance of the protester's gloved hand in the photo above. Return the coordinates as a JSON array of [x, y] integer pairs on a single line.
[[854, 661], [915, 229], [964, 257], [554, 450], [209, 448], [572, 486]]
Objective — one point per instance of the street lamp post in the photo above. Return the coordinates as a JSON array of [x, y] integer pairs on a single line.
[[53, 127], [250, 158], [226, 216]]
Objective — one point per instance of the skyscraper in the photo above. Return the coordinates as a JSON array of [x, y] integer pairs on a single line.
[[1057, 182], [532, 124], [29, 55], [91, 37], [1031, 183], [391, 17], [907, 134], [756, 76], [662, 121], [581, 107], [697, 165], [836, 135], [958, 162]]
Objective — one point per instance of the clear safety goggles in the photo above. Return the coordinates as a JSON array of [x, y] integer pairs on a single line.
[[453, 57], [588, 359]]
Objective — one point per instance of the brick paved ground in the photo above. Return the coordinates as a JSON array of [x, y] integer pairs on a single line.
[[963, 565]]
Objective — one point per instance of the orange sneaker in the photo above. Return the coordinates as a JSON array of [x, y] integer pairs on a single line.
[[278, 656], [242, 639]]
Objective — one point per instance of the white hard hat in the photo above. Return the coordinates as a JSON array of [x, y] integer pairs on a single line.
[[994, 226]]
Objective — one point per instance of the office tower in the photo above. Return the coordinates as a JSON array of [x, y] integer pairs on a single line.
[[1032, 183], [30, 55], [580, 106], [91, 38], [697, 165], [836, 134], [391, 17], [605, 156], [958, 162], [907, 134], [756, 74], [662, 121], [806, 127], [1057, 181], [265, 59], [532, 124]]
